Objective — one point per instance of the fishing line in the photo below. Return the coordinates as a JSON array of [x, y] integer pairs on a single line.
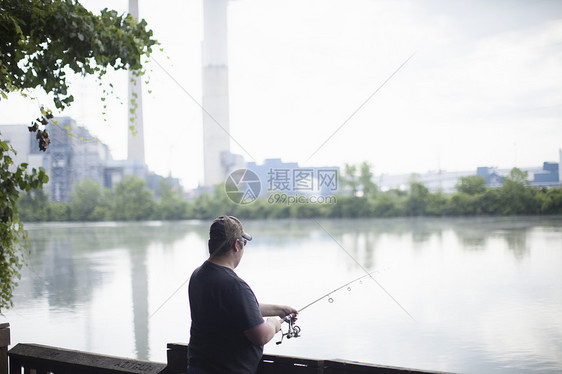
[[361, 106], [293, 331], [169, 297], [365, 270], [183, 284], [201, 106], [334, 291]]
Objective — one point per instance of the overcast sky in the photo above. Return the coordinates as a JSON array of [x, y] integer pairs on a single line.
[[482, 88]]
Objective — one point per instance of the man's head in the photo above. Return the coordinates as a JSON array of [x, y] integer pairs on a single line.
[[224, 232]]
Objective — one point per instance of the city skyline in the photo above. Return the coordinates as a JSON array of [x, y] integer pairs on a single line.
[[92, 160], [479, 90]]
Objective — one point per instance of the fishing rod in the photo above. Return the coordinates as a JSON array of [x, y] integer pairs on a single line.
[[294, 331], [366, 272]]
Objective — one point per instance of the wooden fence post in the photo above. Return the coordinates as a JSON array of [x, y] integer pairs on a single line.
[[4, 343]]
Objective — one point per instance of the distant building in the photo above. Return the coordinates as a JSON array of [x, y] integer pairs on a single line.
[[114, 170], [493, 179], [18, 137], [549, 176], [560, 166], [434, 180], [73, 155]]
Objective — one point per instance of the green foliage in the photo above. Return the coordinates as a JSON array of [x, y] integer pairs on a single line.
[[390, 204], [59, 212], [518, 176], [41, 40], [132, 200], [88, 202], [416, 203], [471, 185], [354, 206], [208, 206], [171, 206], [13, 180], [550, 201], [462, 204], [33, 206], [489, 202], [349, 180], [366, 180], [515, 195], [437, 204]]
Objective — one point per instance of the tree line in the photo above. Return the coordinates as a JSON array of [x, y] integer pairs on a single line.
[[131, 200]]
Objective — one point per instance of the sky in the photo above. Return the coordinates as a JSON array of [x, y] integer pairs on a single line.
[[408, 86]]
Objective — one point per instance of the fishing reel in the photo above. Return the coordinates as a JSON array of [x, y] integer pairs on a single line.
[[293, 332]]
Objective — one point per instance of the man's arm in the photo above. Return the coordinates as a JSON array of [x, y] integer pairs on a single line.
[[264, 332], [274, 310]]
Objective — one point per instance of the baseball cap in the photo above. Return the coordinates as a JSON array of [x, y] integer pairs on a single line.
[[225, 228]]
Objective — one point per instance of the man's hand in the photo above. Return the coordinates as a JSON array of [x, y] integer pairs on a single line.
[[286, 310], [281, 311]]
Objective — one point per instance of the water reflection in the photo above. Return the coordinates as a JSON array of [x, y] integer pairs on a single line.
[[66, 280], [139, 276], [517, 242], [64, 267], [469, 281], [473, 233]]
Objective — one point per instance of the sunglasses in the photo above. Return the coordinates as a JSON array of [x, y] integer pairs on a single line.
[[244, 241]]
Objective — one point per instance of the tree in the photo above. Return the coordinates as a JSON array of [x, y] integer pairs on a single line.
[[518, 176], [171, 205], [86, 200], [437, 204], [551, 202], [13, 180], [471, 185], [40, 42], [390, 203], [350, 183], [33, 205], [489, 202], [366, 179], [516, 195], [416, 202], [462, 204], [132, 200]]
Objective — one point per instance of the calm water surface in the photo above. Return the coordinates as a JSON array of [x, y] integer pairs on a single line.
[[485, 293]]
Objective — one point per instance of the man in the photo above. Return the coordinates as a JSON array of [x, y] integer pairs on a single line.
[[228, 330]]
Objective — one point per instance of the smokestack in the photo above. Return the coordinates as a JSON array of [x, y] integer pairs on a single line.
[[216, 126]]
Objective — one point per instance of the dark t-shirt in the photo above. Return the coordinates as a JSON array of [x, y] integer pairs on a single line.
[[222, 307]]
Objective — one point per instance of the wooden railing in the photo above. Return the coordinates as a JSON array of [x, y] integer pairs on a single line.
[[40, 359], [273, 364], [4, 343]]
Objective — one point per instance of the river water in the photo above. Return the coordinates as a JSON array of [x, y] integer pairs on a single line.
[[484, 294]]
